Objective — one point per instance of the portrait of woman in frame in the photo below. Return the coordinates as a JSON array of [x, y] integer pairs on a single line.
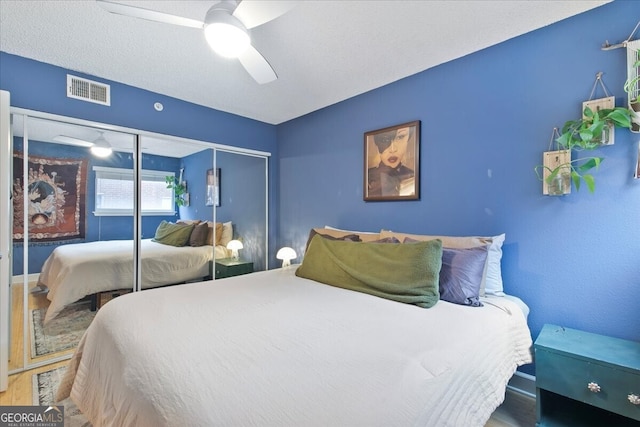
[[392, 163]]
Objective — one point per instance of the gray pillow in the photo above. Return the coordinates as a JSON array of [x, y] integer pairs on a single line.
[[199, 235], [348, 237], [461, 275]]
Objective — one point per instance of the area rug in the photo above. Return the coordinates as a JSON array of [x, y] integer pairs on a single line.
[[44, 389], [63, 331]]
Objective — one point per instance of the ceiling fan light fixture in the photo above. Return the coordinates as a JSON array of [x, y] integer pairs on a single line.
[[225, 34], [101, 147]]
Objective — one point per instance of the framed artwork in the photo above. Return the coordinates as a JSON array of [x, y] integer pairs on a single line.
[[392, 163], [213, 187]]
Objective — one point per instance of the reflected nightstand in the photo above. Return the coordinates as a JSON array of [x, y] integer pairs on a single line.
[[229, 267]]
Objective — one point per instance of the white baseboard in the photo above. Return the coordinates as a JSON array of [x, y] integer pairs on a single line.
[[523, 383], [17, 280]]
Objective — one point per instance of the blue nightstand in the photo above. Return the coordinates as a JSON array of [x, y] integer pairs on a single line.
[[585, 379]]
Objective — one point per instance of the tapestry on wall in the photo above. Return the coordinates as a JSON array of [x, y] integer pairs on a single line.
[[56, 191]]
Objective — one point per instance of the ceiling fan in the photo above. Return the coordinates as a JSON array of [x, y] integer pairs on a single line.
[[100, 147], [226, 28]]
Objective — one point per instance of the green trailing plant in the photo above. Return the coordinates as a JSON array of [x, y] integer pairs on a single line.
[[630, 86], [587, 133], [179, 189]]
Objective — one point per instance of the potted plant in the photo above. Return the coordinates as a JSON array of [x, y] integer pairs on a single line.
[[587, 133], [179, 189]]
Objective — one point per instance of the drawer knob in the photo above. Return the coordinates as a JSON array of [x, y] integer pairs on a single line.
[[594, 387], [634, 399]]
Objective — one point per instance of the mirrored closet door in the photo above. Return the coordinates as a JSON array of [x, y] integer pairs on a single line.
[[243, 203], [65, 221], [92, 207]]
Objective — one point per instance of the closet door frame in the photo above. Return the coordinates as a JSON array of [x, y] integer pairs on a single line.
[[6, 244]]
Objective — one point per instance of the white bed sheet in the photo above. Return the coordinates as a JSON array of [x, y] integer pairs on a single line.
[[273, 349], [74, 271]]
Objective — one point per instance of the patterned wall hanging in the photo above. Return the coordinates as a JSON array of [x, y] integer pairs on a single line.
[[57, 198]]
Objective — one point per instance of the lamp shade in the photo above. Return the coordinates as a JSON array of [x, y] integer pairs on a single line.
[[286, 254], [234, 245]]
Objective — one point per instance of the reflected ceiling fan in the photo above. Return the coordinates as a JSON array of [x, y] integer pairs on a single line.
[[226, 28], [100, 147]]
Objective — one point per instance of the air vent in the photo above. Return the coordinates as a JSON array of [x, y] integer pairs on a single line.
[[88, 90]]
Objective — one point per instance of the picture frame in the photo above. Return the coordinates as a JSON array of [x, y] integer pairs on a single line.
[[213, 187], [392, 163]]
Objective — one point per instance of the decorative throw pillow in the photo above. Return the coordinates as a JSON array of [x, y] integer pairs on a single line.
[[172, 234], [386, 240], [217, 233], [227, 233], [492, 278], [364, 236], [199, 235], [461, 275], [188, 221], [335, 236], [405, 273]]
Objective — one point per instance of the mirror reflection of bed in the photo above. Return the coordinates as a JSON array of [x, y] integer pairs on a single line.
[[69, 279]]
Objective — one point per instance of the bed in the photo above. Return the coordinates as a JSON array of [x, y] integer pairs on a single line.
[[74, 271], [279, 349]]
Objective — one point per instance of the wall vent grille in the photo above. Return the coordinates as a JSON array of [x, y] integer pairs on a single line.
[[87, 90]]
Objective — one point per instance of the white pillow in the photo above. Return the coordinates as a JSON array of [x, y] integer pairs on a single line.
[[493, 281]]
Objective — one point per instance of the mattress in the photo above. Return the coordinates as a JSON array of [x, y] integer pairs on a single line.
[[271, 348], [74, 271]]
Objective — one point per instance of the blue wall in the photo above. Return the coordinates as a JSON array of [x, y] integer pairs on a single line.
[[42, 87], [486, 119]]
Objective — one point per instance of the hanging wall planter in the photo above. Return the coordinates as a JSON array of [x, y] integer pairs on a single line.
[[632, 84], [607, 135]]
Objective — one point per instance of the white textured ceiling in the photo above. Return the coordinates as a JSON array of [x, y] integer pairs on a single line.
[[323, 51]]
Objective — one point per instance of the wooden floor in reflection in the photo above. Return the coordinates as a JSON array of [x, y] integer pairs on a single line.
[[17, 339]]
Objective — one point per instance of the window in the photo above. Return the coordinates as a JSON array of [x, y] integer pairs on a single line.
[[114, 192]]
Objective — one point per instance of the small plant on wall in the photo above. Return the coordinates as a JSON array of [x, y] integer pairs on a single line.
[[587, 133], [632, 87], [179, 189]]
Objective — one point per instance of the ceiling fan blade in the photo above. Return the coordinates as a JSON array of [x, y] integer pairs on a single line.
[[149, 15], [254, 13], [69, 140], [257, 66]]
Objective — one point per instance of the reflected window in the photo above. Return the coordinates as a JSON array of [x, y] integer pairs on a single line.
[[114, 192]]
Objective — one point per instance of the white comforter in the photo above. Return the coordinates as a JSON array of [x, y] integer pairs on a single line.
[[76, 270], [272, 349]]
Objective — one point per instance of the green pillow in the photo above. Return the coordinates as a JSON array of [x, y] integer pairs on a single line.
[[407, 273], [172, 234]]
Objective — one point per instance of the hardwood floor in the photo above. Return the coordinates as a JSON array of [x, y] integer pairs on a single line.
[[34, 301]]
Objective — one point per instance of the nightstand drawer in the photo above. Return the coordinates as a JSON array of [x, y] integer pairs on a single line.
[[229, 267], [570, 376]]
